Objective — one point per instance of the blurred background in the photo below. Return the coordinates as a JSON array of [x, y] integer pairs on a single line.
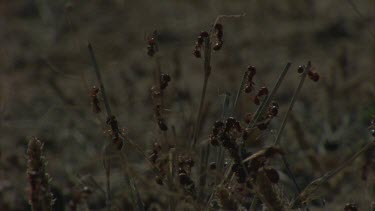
[[46, 75]]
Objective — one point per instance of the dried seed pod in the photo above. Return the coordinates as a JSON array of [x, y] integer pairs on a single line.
[[151, 47], [219, 37], [204, 34], [218, 27], [162, 125], [251, 71], [112, 121], [218, 46], [351, 207], [219, 124], [118, 142], [199, 44], [248, 118], [262, 91], [300, 69], [164, 79], [184, 178], [197, 53], [314, 76], [248, 89], [154, 155], [94, 99], [230, 123], [213, 141], [199, 40]]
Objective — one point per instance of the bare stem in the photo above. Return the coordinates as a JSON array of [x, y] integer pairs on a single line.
[[264, 105], [295, 94], [99, 77], [309, 192], [107, 167], [350, 160], [207, 72], [277, 141]]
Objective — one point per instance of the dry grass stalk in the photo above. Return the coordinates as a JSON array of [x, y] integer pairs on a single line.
[[309, 193], [265, 103], [306, 71], [267, 194], [106, 157], [41, 198], [228, 174], [295, 94], [207, 73]]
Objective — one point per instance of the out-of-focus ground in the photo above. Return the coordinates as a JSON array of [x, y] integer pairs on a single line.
[[45, 75]]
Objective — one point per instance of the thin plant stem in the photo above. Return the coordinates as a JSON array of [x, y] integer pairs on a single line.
[[207, 72], [290, 107], [109, 114], [99, 77], [205, 149], [107, 167], [290, 173], [294, 97], [347, 162], [309, 192], [264, 105]]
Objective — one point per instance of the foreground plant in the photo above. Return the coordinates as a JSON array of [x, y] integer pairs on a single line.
[[41, 198]]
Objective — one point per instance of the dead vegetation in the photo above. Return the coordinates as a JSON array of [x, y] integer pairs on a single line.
[[183, 123]]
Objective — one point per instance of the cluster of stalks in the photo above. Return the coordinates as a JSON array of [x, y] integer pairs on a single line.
[[247, 179]]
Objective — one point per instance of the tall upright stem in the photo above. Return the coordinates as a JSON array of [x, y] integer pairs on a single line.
[[207, 73]]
